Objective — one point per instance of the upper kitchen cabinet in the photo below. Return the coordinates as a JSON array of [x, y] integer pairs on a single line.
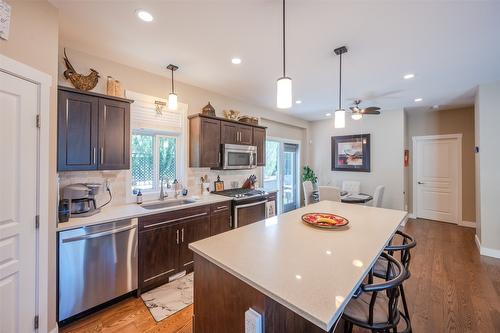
[[204, 142], [234, 133], [207, 134], [259, 140], [93, 131]]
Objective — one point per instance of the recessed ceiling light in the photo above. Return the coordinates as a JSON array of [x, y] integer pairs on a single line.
[[409, 76], [298, 277], [418, 99], [435, 107], [328, 114], [236, 61], [298, 101], [144, 15]]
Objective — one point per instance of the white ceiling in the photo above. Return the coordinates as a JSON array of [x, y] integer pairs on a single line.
[[451, 47]]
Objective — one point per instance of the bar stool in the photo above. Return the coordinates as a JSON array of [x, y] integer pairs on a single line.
[[381, 270], [376, 306]]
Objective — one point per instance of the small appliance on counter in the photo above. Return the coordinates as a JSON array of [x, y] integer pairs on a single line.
[[81, 199]]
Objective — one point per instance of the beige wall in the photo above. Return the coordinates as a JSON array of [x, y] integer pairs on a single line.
[[447, 122], [33, 41]]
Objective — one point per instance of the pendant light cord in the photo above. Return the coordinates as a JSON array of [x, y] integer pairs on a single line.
[[172, 80], [284, 48], [340, 83]]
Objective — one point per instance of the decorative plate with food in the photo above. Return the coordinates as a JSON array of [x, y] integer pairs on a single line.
[[325, 220]]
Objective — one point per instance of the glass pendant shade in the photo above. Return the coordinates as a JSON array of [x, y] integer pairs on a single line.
[[284, 93], [356, 116], [340, 118], [172, 102]]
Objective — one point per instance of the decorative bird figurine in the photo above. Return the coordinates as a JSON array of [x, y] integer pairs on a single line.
[[79, 81]]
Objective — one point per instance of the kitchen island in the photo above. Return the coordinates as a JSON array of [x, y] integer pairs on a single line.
[[298, 278]]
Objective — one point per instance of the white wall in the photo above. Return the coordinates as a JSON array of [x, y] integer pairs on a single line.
[[387, 149], [488, 159]]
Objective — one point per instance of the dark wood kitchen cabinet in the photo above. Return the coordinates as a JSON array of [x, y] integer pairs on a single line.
[[163, 243], [204, 142], [93, 131], [259, 140], [234, 133], [220, 218], [207, 134]]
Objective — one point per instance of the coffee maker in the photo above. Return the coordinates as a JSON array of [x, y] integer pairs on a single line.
[[81, 199]]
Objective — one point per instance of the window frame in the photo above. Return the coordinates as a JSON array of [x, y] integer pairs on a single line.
[[156, 157]]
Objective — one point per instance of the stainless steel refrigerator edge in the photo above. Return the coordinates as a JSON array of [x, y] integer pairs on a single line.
[[96, 264]]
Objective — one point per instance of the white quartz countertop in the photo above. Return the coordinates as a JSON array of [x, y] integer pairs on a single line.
[[115, 213], [314, 272]]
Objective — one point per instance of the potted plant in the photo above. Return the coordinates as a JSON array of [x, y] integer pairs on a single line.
[[308, 174]]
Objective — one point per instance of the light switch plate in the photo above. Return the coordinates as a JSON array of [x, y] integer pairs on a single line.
[[253, 321]]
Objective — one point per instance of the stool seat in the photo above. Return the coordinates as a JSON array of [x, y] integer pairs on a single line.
[[358, 309]]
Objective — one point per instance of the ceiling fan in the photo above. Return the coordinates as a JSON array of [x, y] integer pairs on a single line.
[[358, 112]]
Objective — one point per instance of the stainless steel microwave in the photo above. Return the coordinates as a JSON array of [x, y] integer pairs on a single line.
[[238, 157]]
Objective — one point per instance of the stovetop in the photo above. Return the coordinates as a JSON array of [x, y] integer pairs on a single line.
[[242, 193]]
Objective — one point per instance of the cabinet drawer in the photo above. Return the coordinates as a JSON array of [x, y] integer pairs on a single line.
[[177, 216], [221, 208]]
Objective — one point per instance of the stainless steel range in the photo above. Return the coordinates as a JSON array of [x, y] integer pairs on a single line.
[[249, 205]]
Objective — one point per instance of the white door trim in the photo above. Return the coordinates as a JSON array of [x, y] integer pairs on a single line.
[[44, 82], [417, 139]]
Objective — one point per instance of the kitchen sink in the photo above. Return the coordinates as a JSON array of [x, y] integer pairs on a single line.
[[168, 203]]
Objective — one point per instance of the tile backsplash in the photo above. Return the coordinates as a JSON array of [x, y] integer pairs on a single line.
[[118, 181]]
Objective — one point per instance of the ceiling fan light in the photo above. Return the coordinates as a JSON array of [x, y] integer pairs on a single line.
[[356, 116], [284, 93], [340, 118], [172, 102]]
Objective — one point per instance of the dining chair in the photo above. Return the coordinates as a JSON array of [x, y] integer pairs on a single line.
[[375, 307], [351, 186], [403, 243], [329, 193], [308, 192], [378, 196]]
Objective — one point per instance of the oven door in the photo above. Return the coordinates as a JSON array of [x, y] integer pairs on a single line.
[[239, 157], [247, 213]]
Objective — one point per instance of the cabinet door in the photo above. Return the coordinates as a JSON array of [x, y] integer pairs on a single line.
[[229, 133], [158, 255], [220, 219], [259, 140], [114, 135], [192, 230], [210, 143], [77, 132], [245, 135]]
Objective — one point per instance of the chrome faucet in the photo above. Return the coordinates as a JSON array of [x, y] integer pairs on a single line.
[[163, 194]]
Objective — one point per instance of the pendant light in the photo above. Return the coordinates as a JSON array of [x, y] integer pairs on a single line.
[[284, 83], [172, 97], [340, 113]]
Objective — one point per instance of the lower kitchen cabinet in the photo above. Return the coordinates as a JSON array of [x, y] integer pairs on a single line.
[[163, 244], [220, 218]]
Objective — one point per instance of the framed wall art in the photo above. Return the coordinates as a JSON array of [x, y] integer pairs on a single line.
[[351, 153]]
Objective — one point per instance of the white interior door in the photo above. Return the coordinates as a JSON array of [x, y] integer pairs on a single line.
[[18, 206], [436, 178]]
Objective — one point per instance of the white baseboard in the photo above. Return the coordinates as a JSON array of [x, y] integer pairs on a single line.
[[411, 216], [484, 251], [55, 329], [468, 224]]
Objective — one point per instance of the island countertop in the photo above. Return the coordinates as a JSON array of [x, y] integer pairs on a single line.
[[313, 272]]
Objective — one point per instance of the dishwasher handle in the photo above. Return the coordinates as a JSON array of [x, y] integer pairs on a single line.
[[99, 234]]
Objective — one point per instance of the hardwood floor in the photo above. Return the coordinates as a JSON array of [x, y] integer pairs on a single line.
[[452, 289]]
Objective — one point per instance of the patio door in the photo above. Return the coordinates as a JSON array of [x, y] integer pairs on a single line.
[[282, 171]]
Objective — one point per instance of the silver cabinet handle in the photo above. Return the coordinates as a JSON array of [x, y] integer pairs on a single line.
[[174, 220], [177, 236], [219, 157], [230, 222], [420, 183], [250, 204], [94, 155], [182, 235], [98, 234], [102, 155]]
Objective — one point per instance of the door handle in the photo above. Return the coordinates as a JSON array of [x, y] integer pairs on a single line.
[[182, 235], [177, 236], [420, 183]]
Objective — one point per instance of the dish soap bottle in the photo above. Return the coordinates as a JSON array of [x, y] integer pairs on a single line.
[[139, 197]]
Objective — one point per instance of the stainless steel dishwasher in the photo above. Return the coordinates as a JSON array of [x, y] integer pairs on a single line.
[[96, 264]]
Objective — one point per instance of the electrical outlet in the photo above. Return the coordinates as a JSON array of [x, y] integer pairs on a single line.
[[253, 321]]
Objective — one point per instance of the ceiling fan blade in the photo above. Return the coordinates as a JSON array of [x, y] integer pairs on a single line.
[[371, 108], [371, 112]]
